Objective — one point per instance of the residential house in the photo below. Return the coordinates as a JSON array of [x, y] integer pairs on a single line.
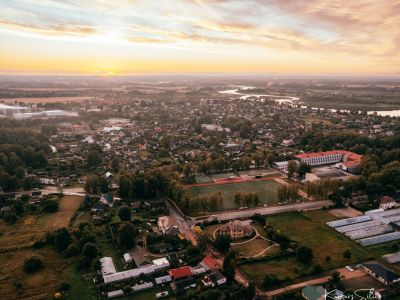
[[387, 202], [214, 279], [236, 230], [381, 272]]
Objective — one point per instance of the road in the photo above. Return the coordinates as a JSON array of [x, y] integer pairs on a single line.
[[184, 224], [51, 189], [270, 210], [344, 273]]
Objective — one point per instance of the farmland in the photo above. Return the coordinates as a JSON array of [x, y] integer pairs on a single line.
[[266, 190]]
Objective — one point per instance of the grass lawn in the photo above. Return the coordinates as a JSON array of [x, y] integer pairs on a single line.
[[210, 229], [252, 247], [150, 294], [279, 267], [309, 230], [80, 288], [109, 249], [266, 190]]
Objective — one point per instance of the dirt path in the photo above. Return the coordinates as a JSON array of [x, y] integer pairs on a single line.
[[67, 206], [344, 273], [347, 212]]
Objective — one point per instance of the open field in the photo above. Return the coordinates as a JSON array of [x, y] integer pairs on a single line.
[[16, 244], [67, 206], [316, 235], [308, 229], [41, 285], [266, 190], [46, 100]]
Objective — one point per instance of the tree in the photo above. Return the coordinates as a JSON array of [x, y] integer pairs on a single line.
[[210, 294], [335, 282], [249, 292], [62, 239], [93, 159], [124, 213], [304, 255], [238, 199], [92, 184], [72, 250], [19, 207], [347, 254], [33, 264], [228, 268], [292, 168], [303, 169], [222, 243], [115, 165], [10, 217], [90, 250], [50, 206], [126, 235]]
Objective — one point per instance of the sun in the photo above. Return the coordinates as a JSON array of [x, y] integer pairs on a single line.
[[109, 74]]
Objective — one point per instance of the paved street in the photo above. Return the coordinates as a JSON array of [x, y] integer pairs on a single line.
[[270, 210]]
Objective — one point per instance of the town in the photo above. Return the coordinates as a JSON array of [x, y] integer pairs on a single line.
[[187, 190]]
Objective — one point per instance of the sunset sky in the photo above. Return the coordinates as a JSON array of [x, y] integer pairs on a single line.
[[123, 37]]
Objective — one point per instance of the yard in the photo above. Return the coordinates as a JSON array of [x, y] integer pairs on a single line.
[[309, 230], [266, 190], [254, 247]]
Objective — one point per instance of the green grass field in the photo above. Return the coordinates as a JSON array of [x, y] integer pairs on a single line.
[[309, 230], [266, 190]]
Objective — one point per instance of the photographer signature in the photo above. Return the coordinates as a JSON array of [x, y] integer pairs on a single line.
[[362, 294]]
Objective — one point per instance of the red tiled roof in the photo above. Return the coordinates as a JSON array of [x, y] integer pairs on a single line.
[[210, 262], [386, 199], [180, 272], [351, 163], [350, 155]]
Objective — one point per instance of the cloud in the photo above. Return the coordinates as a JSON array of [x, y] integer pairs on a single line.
[[54, 29]]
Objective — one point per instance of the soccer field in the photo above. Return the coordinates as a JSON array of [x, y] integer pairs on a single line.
[[266, 190]]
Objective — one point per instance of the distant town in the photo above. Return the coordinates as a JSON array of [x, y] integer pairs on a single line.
[[199, 188]]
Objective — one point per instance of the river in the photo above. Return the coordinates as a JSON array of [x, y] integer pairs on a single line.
[[296, 100]]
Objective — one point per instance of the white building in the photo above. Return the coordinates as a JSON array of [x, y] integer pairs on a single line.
[[107, 266]]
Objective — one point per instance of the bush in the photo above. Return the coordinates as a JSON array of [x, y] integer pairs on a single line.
[[39, 244], [10, 217], [124, 213], [50, 206], [33, 264], [72, 250], [90, 250], [64, 286]]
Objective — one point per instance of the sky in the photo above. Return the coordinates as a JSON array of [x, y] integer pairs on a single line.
[[123, 37]]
